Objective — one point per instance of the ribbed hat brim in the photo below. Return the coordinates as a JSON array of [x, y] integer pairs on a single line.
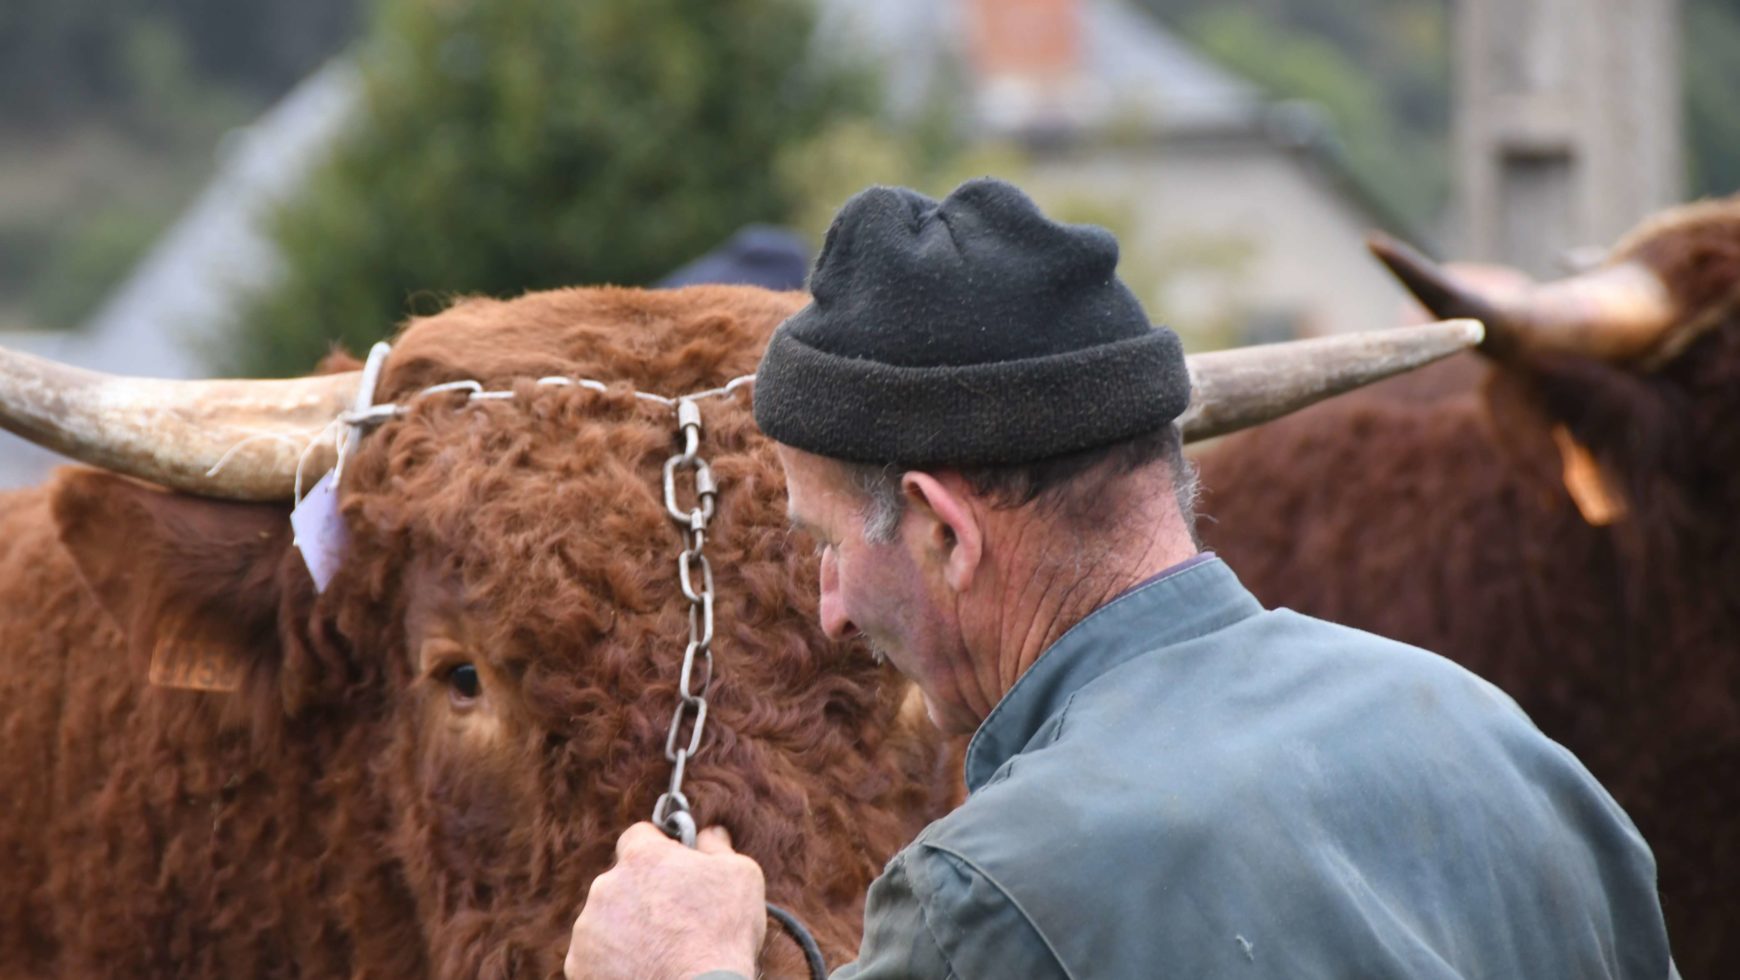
[[998, 413]]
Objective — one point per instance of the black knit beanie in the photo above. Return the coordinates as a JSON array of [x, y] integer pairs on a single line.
[[974, 331]]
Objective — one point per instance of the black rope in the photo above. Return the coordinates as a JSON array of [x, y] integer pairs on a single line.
[[805, 941]]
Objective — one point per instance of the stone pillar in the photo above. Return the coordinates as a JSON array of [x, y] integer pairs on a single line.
[[1568, 124]]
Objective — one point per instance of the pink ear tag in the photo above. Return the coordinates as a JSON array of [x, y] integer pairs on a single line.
[[321, 534]]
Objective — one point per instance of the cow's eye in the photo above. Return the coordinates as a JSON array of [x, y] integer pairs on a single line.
[[464, 683]]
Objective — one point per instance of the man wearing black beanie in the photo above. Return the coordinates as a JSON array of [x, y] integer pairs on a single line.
[[977, 424]]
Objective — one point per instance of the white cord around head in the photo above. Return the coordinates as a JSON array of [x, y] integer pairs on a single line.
[[224, 460], [308, 450]]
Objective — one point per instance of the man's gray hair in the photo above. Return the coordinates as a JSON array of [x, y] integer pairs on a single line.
[[882, 503]]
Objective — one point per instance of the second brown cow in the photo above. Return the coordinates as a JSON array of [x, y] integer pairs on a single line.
[[1564, 524]]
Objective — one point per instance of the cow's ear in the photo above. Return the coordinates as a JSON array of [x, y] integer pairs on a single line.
[[1522, 430], [193, 584]]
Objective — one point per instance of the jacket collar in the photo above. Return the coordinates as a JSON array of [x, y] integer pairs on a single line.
[[1188, 600]]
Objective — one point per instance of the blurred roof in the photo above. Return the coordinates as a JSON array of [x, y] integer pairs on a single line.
[[1125, 66]]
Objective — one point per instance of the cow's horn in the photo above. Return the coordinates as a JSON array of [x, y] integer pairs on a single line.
[[239, 440], [1615, 313], [1238, 388]]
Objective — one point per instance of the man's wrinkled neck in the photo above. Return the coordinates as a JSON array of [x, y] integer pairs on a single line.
[[1050, 575]]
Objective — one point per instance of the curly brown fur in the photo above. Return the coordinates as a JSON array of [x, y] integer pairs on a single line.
[[343, 814], [1446, 524], [160, 840]]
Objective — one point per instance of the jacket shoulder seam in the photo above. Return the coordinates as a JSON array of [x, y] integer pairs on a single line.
[[976, 869]]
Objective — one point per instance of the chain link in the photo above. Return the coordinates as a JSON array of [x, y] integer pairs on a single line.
[[671, 812]]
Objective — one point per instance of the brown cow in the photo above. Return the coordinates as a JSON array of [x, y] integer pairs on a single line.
[[420, 769], [1567, 529]]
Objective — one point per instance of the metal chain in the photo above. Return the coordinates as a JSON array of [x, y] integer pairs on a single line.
[[671, 812]]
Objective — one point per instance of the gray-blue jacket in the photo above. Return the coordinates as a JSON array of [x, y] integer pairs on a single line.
[[1187, 785]]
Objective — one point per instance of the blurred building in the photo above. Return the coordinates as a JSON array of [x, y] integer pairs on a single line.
[[1238, 220]]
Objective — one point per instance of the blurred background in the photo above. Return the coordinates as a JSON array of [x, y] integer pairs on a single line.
[[196, 187]]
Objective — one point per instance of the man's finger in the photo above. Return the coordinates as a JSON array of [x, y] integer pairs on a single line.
[[640, 835], [714, 840]]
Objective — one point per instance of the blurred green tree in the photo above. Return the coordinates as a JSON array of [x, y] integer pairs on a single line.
[[510, 145]]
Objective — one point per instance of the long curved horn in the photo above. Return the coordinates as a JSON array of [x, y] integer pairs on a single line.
[[174, 433], [241, 440], [1238, 388], [1616, 313]]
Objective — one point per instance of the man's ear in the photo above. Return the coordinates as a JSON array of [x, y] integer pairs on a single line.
[[952, 532], [193, 584]]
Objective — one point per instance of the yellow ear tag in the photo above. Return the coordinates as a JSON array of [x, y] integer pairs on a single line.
[[1596, 499], [194, 667]]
